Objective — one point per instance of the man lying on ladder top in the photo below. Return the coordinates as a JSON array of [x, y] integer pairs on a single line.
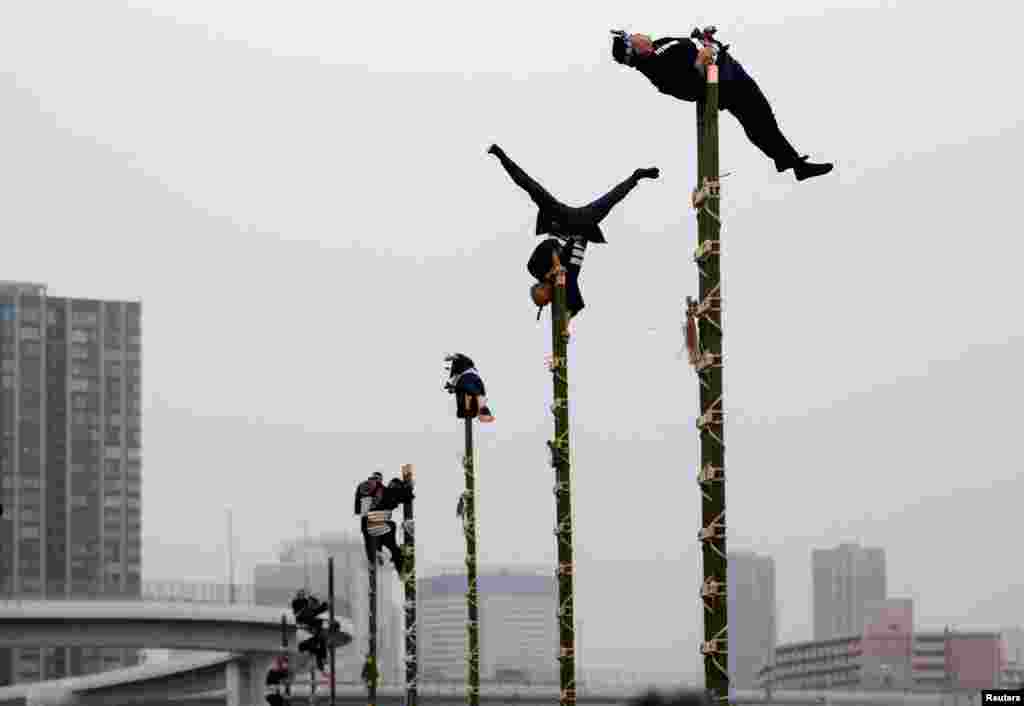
[[678, 67]]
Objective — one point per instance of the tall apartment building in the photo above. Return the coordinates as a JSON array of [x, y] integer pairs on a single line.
[[275, 585], [846, 579], [752, 617], [70, 461], [518, 627]]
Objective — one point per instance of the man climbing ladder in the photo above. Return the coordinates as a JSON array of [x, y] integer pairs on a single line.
[[677, 67]]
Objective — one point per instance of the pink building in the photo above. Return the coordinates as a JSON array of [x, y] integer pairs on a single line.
[[975, 661], [887, 644], [889, 629]]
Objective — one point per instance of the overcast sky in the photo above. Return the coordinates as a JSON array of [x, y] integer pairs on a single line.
[[299, 195]]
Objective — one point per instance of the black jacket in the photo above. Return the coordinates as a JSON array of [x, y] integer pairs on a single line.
[[362, 491], [671, 68], [570, 255], [569, 221], [673, 72]]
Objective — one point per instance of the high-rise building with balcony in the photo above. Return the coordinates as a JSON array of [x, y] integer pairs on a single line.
[[518, 626], [846, 580], [70, 461], [752, 614]]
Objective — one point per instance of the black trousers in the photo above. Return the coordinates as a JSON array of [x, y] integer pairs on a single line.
[[387, 541], [570, 217], [741, 96]]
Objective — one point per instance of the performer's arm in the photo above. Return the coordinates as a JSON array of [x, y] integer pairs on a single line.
[[556, 265]]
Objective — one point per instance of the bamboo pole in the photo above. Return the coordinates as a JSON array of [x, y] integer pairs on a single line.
[[371, 659], [409, 552], [331, 634], [560, 459], [284, 652], [472, 594], [711, 423]]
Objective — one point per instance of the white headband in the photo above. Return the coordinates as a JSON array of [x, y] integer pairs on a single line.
[[628, 41]]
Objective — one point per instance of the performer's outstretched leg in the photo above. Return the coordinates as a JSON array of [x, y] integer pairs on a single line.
[[744, 99], [755, 115], [544, 200], [595, 211]]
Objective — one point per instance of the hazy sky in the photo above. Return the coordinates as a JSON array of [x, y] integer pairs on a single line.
[[299, 194]]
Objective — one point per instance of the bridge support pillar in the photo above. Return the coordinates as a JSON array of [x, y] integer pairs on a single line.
[[244, 680], [233, 683]]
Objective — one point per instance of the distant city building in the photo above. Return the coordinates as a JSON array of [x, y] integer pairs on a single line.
[[752, 611], [887, 644], [275, 584], [518, 627], [1014, 644], [846, 579], [941, 661], [70, 462]]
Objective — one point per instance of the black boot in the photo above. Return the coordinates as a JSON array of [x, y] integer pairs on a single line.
[[808, 170], [650, 173]]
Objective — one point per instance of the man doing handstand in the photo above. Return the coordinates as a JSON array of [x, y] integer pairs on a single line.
[[570, 229]]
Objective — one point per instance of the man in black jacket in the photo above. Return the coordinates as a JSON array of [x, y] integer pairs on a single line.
[[570, 229], [678, 68], [367, 494]]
